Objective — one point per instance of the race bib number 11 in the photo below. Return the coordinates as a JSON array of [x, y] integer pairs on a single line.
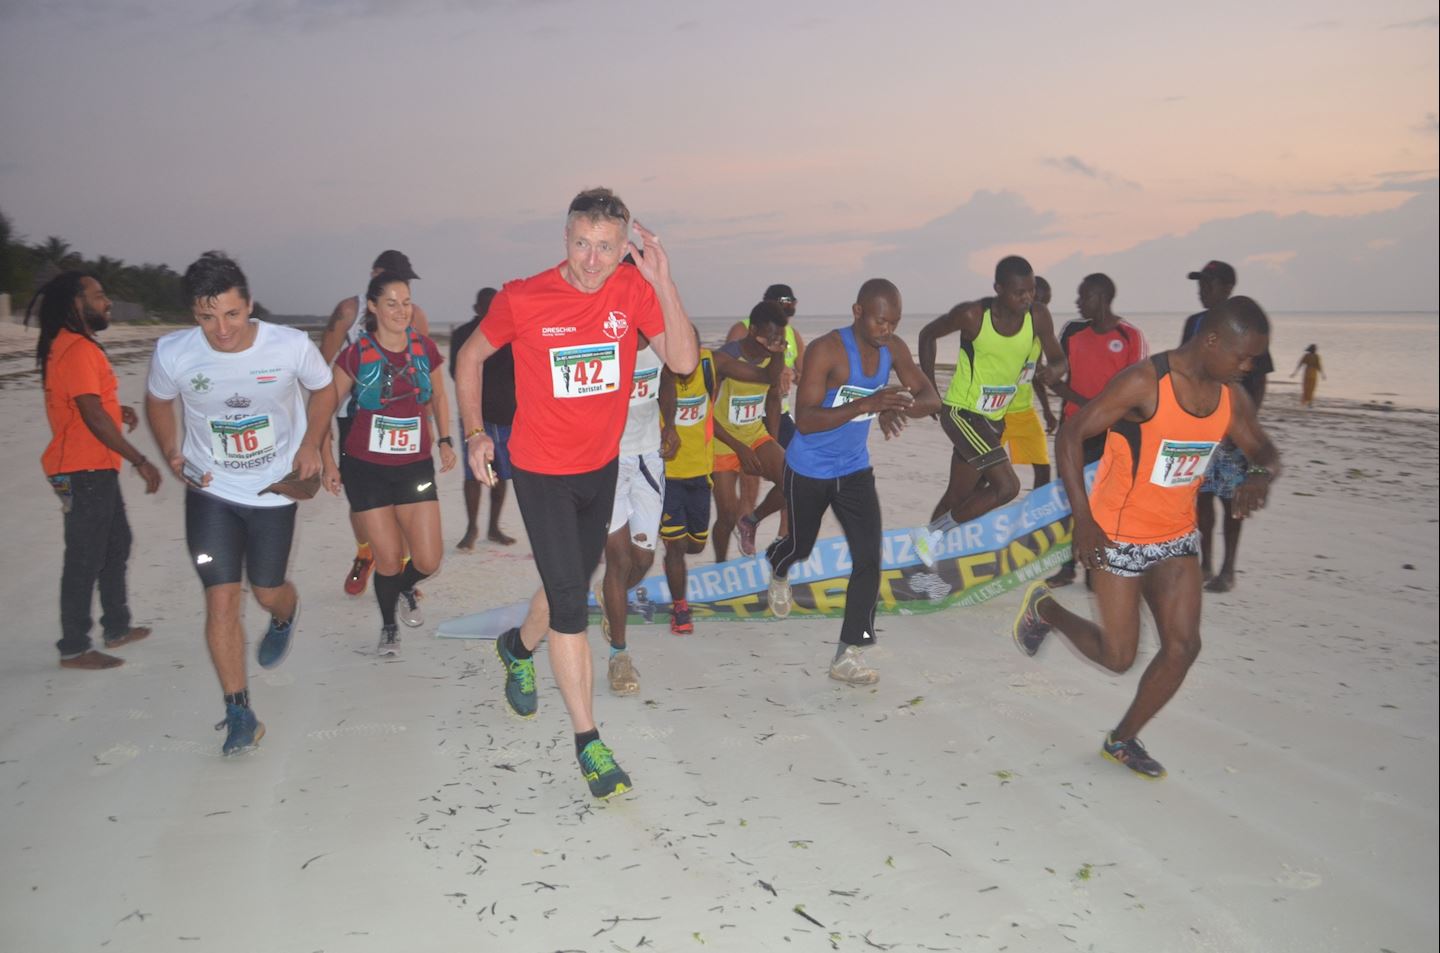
[[1181, 462], [584, 370]]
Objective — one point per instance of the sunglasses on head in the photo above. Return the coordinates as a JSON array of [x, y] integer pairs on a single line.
[[786, 300], [606, 205]]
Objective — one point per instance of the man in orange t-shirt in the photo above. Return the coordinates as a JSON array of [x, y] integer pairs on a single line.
[[82, 462]]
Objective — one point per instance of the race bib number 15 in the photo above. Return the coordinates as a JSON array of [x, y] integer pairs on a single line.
[[397, 435], [584, 370], [1181, 462]]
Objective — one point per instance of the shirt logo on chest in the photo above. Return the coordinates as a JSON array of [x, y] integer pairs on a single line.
[[239, 402], [615, 326], [200, 383]]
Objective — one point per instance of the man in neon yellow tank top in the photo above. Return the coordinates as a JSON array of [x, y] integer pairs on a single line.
[[996, 335]]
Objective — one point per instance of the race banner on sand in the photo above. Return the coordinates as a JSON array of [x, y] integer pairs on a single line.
[[977, 561]]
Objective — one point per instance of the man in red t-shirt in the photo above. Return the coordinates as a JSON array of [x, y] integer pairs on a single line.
[[572, 330], [82, 462], [1099, 345]]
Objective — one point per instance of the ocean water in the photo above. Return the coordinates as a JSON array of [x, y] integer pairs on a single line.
[[1389, 356]]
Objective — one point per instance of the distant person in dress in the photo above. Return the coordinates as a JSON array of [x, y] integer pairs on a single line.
[[1215, 283], [1310, 360]]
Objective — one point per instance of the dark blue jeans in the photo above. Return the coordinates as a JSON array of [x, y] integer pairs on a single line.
[[97, 548]]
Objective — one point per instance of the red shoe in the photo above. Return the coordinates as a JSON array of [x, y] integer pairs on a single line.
[[359, 575], [680, 623]]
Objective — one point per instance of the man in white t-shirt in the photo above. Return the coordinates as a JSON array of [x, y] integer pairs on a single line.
[[648, 441], [241, 388]]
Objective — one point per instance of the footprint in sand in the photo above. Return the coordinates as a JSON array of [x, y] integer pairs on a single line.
[[113, 757], [364, 731], [1298, 879]]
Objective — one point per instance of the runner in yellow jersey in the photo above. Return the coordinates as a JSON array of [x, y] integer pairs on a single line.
[[1023, 436], [747, 421], [996, 335]]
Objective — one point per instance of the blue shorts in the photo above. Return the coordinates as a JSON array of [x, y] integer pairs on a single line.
[[1227, 471], [499, 434], [687, 509]]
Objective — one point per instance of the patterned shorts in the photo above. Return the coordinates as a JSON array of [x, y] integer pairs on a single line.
[[1227, 471], [1133, 559]]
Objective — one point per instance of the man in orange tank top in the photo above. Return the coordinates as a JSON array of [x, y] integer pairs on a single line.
[[1164, 417]]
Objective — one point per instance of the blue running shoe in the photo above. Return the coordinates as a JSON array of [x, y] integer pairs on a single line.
[[276, 643], [519, 678], [243, 730], [1132, 754], [606, 778]]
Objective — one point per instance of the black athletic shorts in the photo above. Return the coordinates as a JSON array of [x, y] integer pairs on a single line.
[[567, 518], [976, 438], [369, 486], [223, 537], [687, 509]]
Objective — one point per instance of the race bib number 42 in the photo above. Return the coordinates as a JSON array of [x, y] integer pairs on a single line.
[[746, 408], [994, 399], [849, 393], [584, 370], [1181, 462], [241, 441], [395, 435]]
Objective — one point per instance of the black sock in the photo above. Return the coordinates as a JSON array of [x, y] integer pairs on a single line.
[[241, 698], [387, 593], [410, 576], [584, 739], [515, 645]]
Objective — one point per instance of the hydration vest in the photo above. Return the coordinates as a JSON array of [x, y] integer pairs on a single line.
[[369, 377]]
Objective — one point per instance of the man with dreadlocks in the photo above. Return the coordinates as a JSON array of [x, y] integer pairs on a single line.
[[82, 463]]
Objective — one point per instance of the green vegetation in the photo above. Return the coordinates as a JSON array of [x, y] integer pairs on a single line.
[[25, 267]]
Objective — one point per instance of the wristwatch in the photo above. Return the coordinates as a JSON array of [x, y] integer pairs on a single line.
[[446, 441]]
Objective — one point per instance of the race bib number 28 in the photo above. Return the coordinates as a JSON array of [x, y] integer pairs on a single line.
[[690, 411], [1181, 462], [584, 370]]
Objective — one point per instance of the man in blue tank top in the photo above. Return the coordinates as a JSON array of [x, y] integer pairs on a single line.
[[842, 388]]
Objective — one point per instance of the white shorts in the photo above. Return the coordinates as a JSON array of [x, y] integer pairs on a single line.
[[639, 497]]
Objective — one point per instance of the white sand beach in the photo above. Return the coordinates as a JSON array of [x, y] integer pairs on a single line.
[[959, 805]]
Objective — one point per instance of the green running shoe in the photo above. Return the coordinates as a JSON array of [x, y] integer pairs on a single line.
[[606, 778], [1030, 630], [519, 678], [1132, 754]]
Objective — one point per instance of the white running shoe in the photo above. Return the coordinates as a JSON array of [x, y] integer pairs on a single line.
[[389, 642], [408, 608], [780, 597], [927, 544], [851, 669]]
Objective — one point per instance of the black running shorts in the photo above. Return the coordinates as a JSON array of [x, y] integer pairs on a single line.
[[567, 518], [223, 537]]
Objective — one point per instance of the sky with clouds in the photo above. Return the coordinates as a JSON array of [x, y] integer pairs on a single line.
[[816, 143]]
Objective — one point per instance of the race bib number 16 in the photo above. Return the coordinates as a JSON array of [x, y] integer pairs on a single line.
[[584, 370], [241, 441], [1181, 462]]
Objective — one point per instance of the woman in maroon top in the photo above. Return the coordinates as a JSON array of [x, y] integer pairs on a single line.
[[387, 470]]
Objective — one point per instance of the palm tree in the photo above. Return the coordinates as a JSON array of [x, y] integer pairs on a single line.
[[115, 276], [54, 251]]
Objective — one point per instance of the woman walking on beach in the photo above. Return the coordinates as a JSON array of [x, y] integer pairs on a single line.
[[387, 469], [1310, 360]]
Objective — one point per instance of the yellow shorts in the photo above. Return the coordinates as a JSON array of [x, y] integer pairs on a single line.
[[1024, 437]]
